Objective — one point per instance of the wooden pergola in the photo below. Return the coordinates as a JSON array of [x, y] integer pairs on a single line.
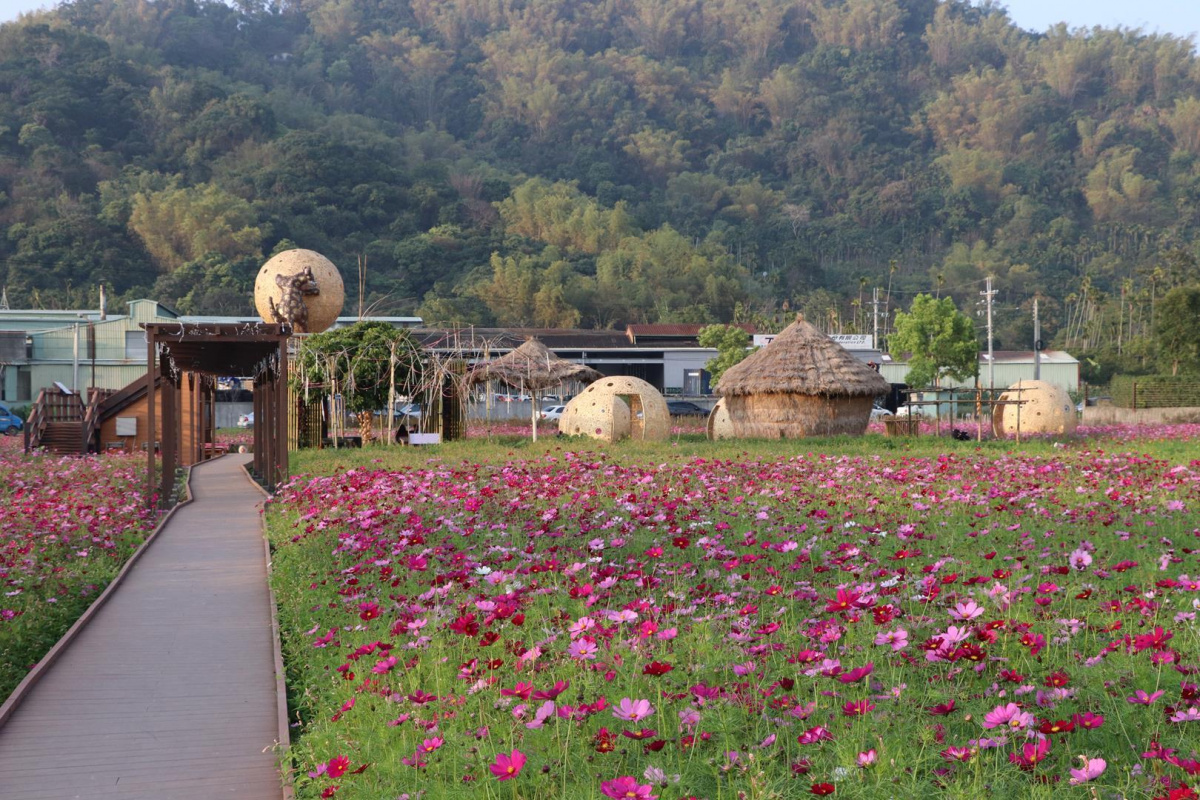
[[198, 354]]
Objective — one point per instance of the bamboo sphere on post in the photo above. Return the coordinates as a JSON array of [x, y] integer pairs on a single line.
[[281, 287]]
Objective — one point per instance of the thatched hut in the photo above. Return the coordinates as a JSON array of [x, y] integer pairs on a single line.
[[532, 367], [801, 384]]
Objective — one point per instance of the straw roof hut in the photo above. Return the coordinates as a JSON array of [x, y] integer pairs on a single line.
[[531, 367], [801, 384]]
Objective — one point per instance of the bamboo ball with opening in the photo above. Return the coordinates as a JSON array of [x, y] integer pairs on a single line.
[[274, 294], [649, 417], [1044, 408], [603, 418], [720, 426]]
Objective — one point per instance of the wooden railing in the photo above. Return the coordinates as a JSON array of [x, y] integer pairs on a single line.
[[91, 416], [51, 406]]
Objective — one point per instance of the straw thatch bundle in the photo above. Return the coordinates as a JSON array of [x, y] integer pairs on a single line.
[[802, 384], [531, 367]]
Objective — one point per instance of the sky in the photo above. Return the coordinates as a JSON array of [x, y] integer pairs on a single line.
[[1180, 17]]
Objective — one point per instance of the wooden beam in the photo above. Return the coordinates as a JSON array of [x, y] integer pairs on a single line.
[[151, 427], [284, 414], [170, 428]]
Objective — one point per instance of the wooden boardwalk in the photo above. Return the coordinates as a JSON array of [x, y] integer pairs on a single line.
[[169, 693]]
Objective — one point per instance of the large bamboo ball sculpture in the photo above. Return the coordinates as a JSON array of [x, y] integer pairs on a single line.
[[649, 417], [301, 287], [603, 418], [720, 426], [1044, 408]]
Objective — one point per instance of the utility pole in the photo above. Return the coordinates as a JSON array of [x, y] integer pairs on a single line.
[[1037, 342], [988, 294], [875, 317]]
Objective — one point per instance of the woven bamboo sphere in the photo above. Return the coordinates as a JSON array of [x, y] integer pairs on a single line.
[[1045, 408], [649, 417], [720, 426], [603, 418], [323, 307]]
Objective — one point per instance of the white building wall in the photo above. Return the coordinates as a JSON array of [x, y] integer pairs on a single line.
[[676, 364]]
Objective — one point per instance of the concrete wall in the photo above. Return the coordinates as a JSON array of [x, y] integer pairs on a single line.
[[1114, 415]]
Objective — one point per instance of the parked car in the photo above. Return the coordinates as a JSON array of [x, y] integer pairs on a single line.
[[552, 412], [879, 413], [683, 408], [10, 423], [246, 420], [409, 411]]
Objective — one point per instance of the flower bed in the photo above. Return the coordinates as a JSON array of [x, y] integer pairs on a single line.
[[67, 525], [979, 624]]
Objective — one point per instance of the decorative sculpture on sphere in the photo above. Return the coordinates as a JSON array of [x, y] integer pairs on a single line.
[[300, 287], [291, 307]]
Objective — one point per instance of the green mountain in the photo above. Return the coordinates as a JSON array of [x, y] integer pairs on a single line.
[[596, 162]]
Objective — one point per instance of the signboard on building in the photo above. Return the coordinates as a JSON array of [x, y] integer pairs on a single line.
[[854, 341], [850, 341]]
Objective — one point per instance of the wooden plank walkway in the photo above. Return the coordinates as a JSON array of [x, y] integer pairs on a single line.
[[169, 692]]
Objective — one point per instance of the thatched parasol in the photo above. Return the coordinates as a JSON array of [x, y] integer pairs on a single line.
[[802, 383], [531, 367]]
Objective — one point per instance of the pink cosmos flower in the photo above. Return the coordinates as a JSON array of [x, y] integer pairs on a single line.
[[898, 639], [626, 788], [337, 766], [867, 758], [508, 766], [1008, 716], [633, 710], [1090, 769], [966, 611], [1191, 714], [1031, 754]]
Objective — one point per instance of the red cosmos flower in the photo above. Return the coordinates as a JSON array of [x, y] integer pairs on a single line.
[[1031, 754], [1058, 726], [1056, 679], [368, 611], [337, 766], [941, 709], [681, 542], [329, 791], [1012, 676], [858, 708], [656, 668], [507, 767], [604, 741], [822, 788], [1181, 792]]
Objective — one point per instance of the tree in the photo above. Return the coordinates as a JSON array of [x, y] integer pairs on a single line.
[[939, 339], [1176, 332], [732, 345], [367, 363]]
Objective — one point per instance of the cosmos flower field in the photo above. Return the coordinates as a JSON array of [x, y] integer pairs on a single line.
[[752, 621], [67, 525]]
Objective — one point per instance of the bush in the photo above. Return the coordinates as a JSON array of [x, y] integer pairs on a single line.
[[1155, 391]]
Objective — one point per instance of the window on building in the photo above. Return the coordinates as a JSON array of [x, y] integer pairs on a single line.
[[135, 345]]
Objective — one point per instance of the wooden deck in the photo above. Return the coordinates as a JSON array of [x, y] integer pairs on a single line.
[[170, 692]]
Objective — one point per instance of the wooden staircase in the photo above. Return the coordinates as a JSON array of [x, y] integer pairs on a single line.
[[60, 423]]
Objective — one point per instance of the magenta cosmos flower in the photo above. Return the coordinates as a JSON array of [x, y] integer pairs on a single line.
[[626, 788], [508, 766]]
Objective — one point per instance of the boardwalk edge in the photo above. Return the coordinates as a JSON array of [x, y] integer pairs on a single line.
[[45, 662], [285, 741]]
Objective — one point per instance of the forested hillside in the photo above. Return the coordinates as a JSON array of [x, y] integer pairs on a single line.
[[596, 162]]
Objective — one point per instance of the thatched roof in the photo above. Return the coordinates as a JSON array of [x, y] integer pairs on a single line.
[[531, 366], [802, 360]]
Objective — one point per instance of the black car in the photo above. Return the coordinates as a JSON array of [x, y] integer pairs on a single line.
[[682, 408]]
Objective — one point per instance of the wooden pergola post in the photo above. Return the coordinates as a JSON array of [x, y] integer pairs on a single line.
[[151, 425]]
